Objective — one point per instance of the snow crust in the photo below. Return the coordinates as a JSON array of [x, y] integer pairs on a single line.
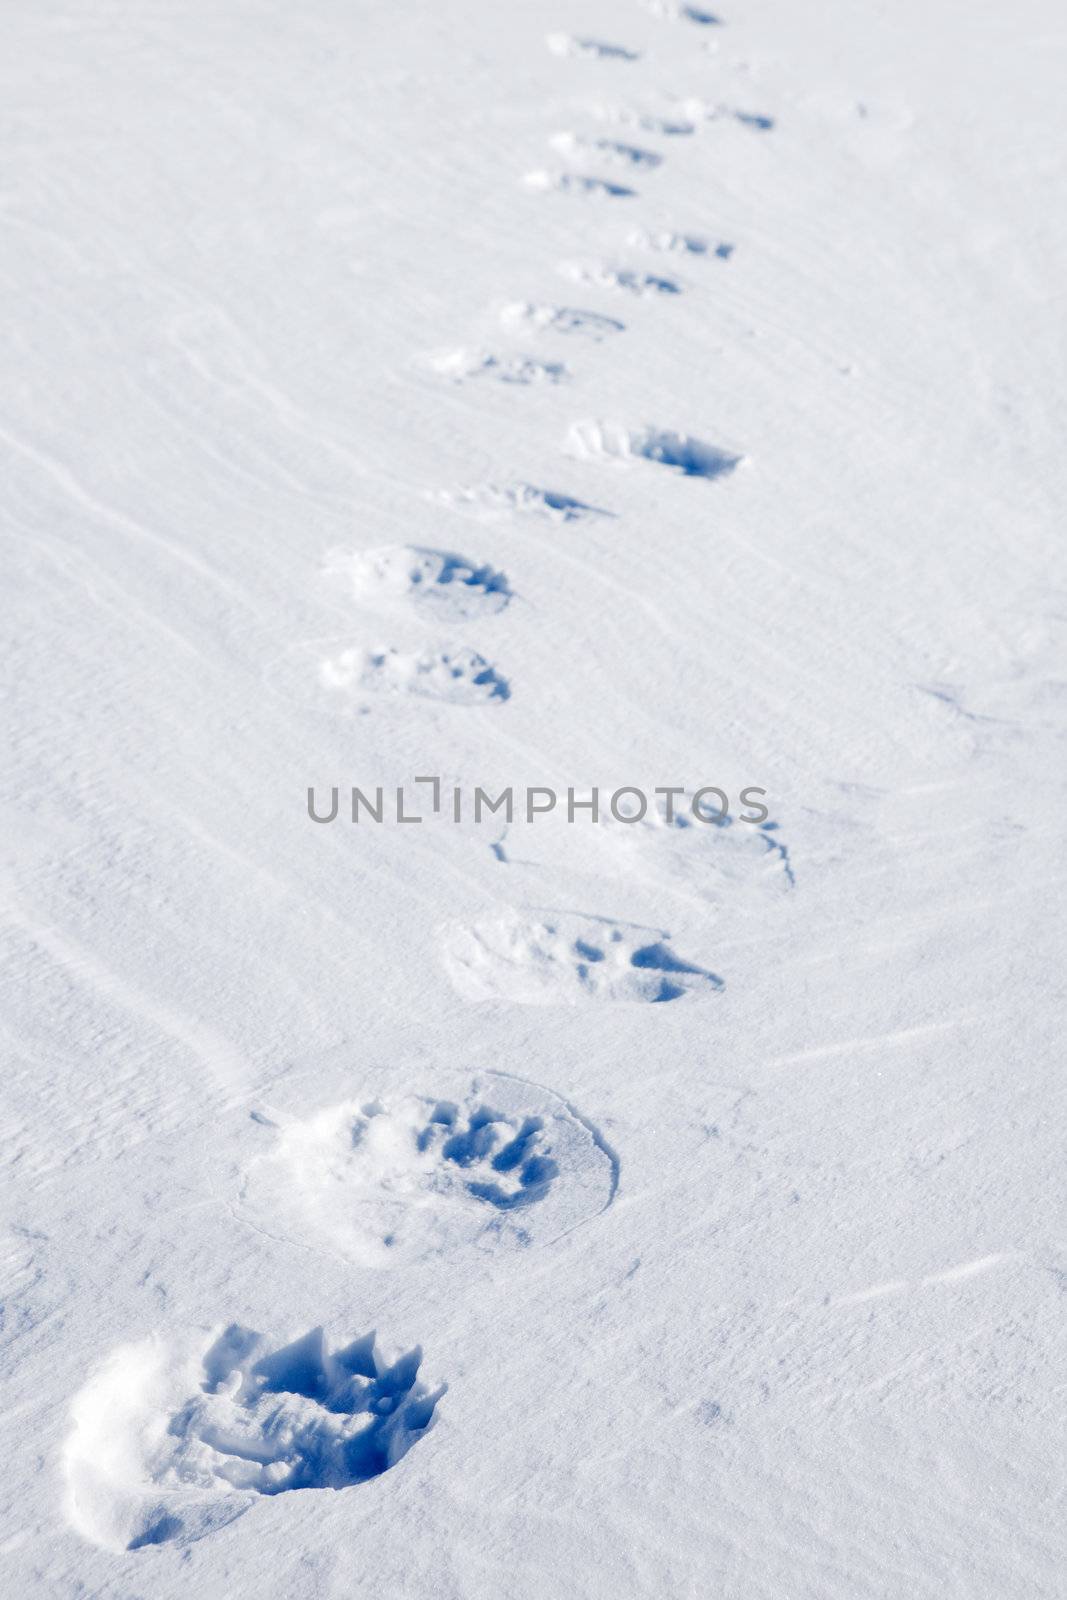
[[600, 395]]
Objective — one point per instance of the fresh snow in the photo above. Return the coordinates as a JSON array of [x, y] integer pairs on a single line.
[[432, 399]]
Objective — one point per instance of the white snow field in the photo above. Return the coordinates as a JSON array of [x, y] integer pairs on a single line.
[[544, 396]]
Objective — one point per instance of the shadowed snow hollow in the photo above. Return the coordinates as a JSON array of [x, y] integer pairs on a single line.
[[692, 457], [174, 1437]]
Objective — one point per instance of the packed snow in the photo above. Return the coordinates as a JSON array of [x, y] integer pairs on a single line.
[[536, 762]]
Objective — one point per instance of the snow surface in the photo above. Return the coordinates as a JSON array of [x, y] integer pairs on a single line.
[[533, 394]]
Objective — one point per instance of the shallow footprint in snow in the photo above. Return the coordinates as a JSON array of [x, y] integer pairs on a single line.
[[722, 861], [611, 152], [568, 959], [565, 44], [173, 1439], [751, 119], [677, 11], [460, 675], [437, 581], [679, 244], [577, 183], [333, 677], [568, 320], [600, 275], [692, 457], [496, 1163], [462, 365], [696, 111], [670, 125], [520, 499]]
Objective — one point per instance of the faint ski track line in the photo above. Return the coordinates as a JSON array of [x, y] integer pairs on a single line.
[[871, 1042], [291, 415], [600, 576], [283, 484], [746, 641], [895, 1286], [73, 489], [230, 1070], [67, 558], [245, 477], [287, 889], [316, 1249]]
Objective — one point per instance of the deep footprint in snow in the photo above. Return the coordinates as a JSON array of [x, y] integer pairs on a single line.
[[521, 500], [565, 44], [580, 147], [568, 320], [437, 581], [577, 183], [496, 1163], [459, 675], [504, 1165], [567, 959], [593, 441], [462, 365], [174, 1440], [600, 275]]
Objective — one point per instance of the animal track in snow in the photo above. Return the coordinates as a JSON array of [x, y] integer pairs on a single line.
[[668, 125], [679, 244], [460, 675], [172, 1440], [568, 959], [751, 119], [442, 583], [496, 1163], [565, 44], [462, 365], [598, 275], [567, 320], [577, 183], [692, 457], [710, 859], [578, 147], [675, 11], [698, 111], [520, 499], [727, 861]]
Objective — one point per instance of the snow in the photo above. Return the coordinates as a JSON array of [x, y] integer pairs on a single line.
[[371, 1226]]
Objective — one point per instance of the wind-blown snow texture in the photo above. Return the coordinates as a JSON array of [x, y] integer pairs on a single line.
[[533, 394]]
